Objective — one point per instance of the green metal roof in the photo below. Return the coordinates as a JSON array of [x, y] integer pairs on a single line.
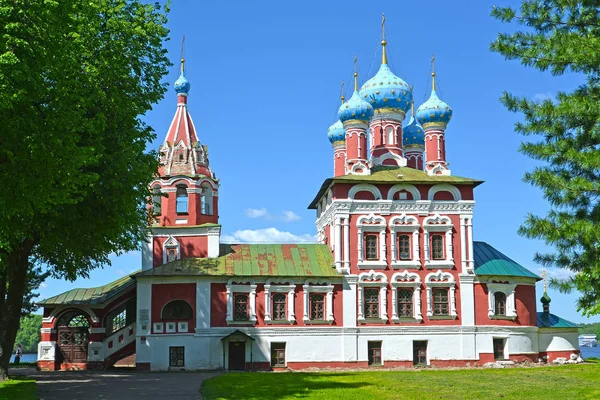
[[97, 295], [489, 261], [301, 260], [547, 320], [393, 175]]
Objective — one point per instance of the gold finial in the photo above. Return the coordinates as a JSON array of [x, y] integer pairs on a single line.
[[383, 42], [412, 107], [433, 73], [182, 57], [544, 275], [343, 97], [355, 74]]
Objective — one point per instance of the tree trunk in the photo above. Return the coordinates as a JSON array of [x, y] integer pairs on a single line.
[[17, 263]]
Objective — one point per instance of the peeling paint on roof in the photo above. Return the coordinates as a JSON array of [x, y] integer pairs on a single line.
[[97, 295], [489, 261], [301, 260]]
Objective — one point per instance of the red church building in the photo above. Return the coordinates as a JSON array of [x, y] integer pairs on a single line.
[[396, 278]]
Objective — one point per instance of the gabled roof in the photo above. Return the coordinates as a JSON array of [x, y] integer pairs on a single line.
[[547, 320], [97, 295], [489, 261], [293, 260], [393, 175]]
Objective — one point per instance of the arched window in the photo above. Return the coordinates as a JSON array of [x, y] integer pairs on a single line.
[[405, 303], [500, 300], [440, 301], [437, 247], [317, 306], [156, 200], [404, 247], [182, 199], [206, 200], [279, 307], [372, 303], [390, 135], [177, 309], [371, 247], [240, 307], [73, 319]]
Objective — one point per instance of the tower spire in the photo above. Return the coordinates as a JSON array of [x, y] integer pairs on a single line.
[[182, 54], [383, 42], [544, 275], [433, 73], [343, 97], [355, 73]]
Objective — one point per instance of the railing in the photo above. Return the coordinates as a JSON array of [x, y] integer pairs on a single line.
[[119, 339]]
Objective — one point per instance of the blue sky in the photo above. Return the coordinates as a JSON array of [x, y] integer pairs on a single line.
[[265, 87]]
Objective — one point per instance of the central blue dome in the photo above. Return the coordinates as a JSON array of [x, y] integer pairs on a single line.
[[355, 109], [182, 85], [386, 90], [336, 132]]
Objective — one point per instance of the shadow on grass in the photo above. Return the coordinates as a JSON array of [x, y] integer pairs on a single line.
[[274, 386], [18, 388]]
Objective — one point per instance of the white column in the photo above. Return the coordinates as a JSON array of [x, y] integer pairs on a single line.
[[426, 244], [347, 244], [360, 245], [383, 294], [415, 237], [305, 294], [144, 307], [330, 305], [291, 314], [449, 256], [467, 299], [394, 302], [393, 245], [470, 261], [429, 305], [267, 303], [229, 316], [452, 302], [147, 253], [202, 304], [463, 238], [253, 303], [360, 302], [417, 301], [382, 246], [491, 305], [338, 244]]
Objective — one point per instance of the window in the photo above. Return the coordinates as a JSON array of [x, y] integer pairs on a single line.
[[390, 135], [277, 354], [177, 356], [156, 200], [317, 306], [437, 247], [171, 254], [404, 247], [240, 303], [372, 303], [73, 319], [117, 322], [405, 303], [279, 307], [180, 157], [181, 200], [500, 302], [177, 310], [374, 349], [498, 349], [371, 247], [420, 353], [440, 301]]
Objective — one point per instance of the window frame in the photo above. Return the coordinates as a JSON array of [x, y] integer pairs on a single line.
[[500, 304], [374, 247], [173, 349], [236, 286], [438, 225], [367, 225], [368, 281], [409, 304], [411, 281], [407, 245], [441, 307], [181, 192], [315, 286], [408, 225], [246, 317], [439, 238], [508, 289], [277, 349], [279, 286], [436, 280], [372, 305], [374, 346], [321, 301]]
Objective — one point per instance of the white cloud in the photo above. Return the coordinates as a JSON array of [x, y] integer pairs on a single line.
[[543, 96], [43, 285], [267, 235], [556, 273], [285, 216]]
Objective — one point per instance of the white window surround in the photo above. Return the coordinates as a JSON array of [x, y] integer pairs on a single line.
[[315, 286], [509, 290], [371, 223], [158, 327], [171, 243], [280, 285], [406, 280], [182, 327], [445, 280], [409, 188], [405, 224], [369, 280], [436, 224], [444, 187], [364, 187], [170, 327], [241, 286]]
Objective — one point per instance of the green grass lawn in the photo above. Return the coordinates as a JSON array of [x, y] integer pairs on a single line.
[[552, 382], [18, 389]]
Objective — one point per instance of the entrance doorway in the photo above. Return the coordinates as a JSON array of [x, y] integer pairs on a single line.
[[73, 337], [237, 356]]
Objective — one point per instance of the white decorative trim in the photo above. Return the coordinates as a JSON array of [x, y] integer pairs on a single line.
[[372, 279], [509, 291], [406, 279], [65, 307], [171, 243], [316, 286], [444, 187], [365, 187], [182, 326], [409, 188], [241, 285], [346, 225], [371, 223], [280, 285], [437, 223], [158, 327], [404, 223], [170, 327], [46, 351], [441, 279]]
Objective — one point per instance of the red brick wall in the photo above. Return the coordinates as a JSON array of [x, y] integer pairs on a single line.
[[166, 292]]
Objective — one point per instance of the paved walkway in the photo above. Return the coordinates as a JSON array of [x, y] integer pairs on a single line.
[[116, 385]]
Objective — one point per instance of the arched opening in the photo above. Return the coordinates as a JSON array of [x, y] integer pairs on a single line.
[[390, 135], [181, 199], [156, 201], [177, 310], [73, 337], [443, 195], [500, 303], [206, 200], [403, 195], [364, 195]]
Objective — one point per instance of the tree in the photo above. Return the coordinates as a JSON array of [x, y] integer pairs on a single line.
[[75, 78], [29, 332], [562, 36]]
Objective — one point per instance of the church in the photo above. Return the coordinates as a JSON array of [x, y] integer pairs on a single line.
[[396, 277]]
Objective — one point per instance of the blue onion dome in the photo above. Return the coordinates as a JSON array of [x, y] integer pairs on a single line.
[[386, 90], [434, 112], [182, 85], [355, 108], [336, 132], [413, 135]]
